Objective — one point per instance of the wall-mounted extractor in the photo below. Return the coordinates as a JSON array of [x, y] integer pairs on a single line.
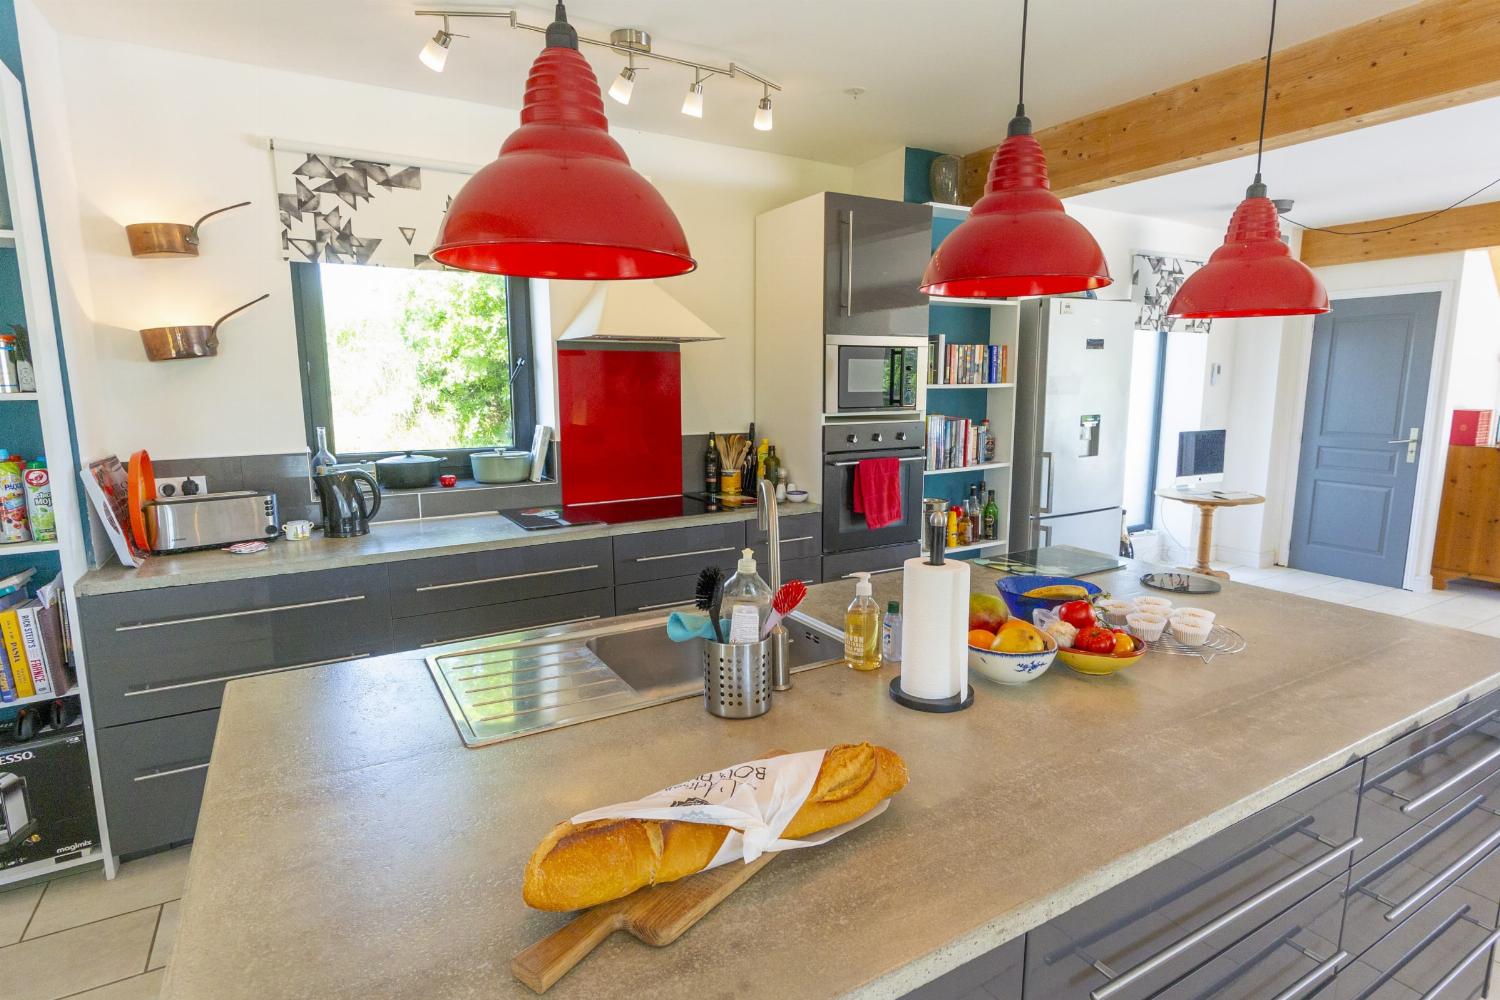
[[175, 343], [636, 312], [169, 239]]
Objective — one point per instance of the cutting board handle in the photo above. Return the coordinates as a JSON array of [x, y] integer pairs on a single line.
[[551, 958]]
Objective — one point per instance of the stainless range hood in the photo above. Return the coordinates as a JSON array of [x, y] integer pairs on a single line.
[[635, 312]]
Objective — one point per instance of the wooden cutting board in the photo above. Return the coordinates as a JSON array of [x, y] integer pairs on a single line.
[[658, 916]]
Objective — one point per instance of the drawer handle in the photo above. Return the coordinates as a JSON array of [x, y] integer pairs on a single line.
[[1312, 978], [239, 614], [167, 774], [1458, 970], [1462, 731], [528, 628], [844, 465], [161, 688], [1422, 800], [502, 579], [1121, 980], [1486, 846], [874, 572], [668, 604], [789, 541], [684, 555]]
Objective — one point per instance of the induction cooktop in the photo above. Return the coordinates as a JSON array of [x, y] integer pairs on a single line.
[[622, 511]]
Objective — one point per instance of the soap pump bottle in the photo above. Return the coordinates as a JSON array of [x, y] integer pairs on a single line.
[[862, 628], [747, 600]]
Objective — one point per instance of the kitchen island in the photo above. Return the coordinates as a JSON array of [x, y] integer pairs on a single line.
[[349, 846]]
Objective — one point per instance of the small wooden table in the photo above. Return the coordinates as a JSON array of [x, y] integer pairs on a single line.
[[1207, 503]]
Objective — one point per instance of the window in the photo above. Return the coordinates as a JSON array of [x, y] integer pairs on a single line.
[[399, 359]]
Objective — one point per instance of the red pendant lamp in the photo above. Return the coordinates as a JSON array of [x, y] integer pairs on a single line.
[[1018, 240], [561, 200], [1254, 272]]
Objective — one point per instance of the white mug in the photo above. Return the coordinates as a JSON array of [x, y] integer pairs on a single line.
[[298, 530]]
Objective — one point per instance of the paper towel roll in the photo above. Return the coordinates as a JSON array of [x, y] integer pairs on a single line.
[[934, 629]]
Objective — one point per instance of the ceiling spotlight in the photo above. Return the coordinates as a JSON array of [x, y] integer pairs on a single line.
[[435, 53], [692, 101], [763, 113], [624, 83]]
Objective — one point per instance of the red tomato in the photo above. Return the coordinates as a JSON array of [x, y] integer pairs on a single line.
[[1094, 639], [1079, 614]]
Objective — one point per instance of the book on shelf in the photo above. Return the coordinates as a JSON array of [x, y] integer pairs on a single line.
[[952, 442], [936, 353], [966, 364], [15, 654], [32, 658]]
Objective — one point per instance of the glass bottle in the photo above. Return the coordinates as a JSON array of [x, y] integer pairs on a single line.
[[952, 527], [862, 628], [992, 518], [773, 465], [323, 459], [890, 633], [711, 466], [976, 512], [989, 441]]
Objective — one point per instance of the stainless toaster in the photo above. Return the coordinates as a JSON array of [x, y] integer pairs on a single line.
[[210, 520]]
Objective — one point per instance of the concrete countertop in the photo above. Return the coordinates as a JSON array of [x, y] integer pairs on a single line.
[[387, 541], [349, 846]]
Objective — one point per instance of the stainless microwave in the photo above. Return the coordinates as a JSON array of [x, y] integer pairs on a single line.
[[873, 375]]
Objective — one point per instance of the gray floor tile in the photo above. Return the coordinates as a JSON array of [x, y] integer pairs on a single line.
[[16, 908], [146, 986], [166, 934], [79, 899], [78, 959]]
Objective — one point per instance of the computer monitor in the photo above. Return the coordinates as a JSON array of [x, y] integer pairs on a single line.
[[1200, 457]]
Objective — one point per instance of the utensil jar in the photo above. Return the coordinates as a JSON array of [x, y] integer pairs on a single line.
[[737, 679]]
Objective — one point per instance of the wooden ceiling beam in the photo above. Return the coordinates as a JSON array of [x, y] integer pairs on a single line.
[[1472, 227], [1431, 55]]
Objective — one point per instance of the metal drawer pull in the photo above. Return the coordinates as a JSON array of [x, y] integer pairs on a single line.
[[668, 604], [1321, 972], [167, 774], [1479, 765], [490, 635], [160, 688], [502, 579], [1458, 970], [1135, 972], [913, 458], [1459, 733], [239, 614], [684, 555], [1486, 846]]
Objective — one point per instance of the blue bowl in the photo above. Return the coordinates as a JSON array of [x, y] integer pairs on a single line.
[[1014, 588]]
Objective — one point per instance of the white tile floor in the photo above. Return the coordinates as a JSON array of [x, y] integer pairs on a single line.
[[83, 938]]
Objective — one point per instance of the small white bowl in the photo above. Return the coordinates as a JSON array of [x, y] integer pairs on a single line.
[[1146, 624], [1201, 614], [1012, 668], [796, 496], [1191, 631], [1155, 605]]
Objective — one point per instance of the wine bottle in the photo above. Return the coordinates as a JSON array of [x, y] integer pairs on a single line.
[[323, 460]]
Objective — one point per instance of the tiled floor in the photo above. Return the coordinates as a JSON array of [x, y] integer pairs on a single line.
[[82, 938]]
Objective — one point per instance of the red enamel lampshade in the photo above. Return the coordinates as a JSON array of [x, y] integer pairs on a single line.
[[1253, 273], [561, 200], [1017, 240]]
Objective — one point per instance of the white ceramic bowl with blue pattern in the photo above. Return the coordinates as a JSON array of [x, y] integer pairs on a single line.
[[1012, 668]]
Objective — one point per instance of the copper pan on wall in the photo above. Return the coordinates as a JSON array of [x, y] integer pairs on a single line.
[[174, 343], [169, 239]]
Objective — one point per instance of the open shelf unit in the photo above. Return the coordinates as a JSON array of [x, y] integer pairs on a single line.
[[41, 429]]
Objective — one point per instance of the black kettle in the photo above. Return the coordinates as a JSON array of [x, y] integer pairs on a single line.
[[347, 509]]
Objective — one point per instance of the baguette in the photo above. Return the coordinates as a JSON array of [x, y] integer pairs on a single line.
[[591, 863]]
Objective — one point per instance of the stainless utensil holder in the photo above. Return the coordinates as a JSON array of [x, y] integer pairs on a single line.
[[737, 679]]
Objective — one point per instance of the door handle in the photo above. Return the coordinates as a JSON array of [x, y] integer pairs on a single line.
[[1046, 508], [849, 268], [1411, 444], [844, 465]]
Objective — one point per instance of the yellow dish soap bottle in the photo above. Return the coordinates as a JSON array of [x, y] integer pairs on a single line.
[[862, 628]]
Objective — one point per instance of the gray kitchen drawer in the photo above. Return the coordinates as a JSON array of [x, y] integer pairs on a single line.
[[995, 975], [659, 555], [801, 536], [839, 565], [493, 619], [1199, 902], [1451, 934], [1418, 774], [809, 571], [475, 579], [673, 594], [1458, 843], [152, 774], [168, 651], [1296, 953]]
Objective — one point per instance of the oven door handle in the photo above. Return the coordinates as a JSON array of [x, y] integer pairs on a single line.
[[910, 458]]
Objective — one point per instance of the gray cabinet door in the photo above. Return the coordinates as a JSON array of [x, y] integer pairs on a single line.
[[493, 619], [874, 253], [658, 555], [995, 975], [170, 650], [887, 559], [801, 538], [476, 579], [152, 774]]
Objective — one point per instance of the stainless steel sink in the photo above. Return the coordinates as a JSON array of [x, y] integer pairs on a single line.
[[515, 684]]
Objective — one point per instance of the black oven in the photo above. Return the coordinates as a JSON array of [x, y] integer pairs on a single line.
[[869, 375], [844, 446]]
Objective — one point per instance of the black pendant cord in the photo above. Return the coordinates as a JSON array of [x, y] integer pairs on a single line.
[[1020, 124], [1265, 98]]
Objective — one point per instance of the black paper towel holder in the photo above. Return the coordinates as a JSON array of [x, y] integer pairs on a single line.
[[954, 703]]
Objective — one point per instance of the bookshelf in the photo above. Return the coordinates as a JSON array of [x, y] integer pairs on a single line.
[[40, 428]]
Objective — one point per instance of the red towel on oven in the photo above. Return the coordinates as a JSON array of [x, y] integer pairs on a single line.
[[877, 491]]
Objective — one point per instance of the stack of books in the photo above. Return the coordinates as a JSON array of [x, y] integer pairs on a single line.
[[966, 364], [953, 442], [32, 658]]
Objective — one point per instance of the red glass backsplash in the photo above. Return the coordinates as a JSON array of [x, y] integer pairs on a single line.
[[620, 424]]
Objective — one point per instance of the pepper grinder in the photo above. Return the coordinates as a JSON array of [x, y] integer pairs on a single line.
[[934, 640]]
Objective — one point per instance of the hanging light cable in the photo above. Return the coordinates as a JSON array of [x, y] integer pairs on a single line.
[[561, 199], [1018, 240], [1254, 272]]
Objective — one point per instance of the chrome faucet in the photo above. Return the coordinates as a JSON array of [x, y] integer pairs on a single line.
[[768, 520]]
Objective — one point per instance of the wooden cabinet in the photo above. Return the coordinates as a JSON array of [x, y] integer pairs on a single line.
[[1468, 528]]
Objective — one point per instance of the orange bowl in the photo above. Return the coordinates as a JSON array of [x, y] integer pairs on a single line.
[[1101, 664]]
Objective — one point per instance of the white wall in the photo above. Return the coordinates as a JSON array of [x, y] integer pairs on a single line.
[[1474, 370], [882, 176], [158, 135]]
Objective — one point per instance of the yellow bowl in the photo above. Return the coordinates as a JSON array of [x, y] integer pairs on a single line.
[[1101, 664]]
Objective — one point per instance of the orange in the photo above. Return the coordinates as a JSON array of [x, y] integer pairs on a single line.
[[981, 638]]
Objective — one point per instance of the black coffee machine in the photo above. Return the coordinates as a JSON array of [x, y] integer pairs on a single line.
[[347, 508]]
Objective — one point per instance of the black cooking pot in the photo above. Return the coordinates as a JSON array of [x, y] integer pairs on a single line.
[[408, 471]]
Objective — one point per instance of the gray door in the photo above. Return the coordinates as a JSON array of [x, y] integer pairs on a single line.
[[1366, 405], [874, 254]]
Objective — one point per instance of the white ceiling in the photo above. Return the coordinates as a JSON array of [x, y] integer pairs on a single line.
[[936, 75], [1412, 165]]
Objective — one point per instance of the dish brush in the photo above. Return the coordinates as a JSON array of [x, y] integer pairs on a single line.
[[709, 596], [784, 603]]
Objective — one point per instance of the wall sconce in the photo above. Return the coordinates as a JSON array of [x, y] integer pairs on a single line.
[[169, 239]]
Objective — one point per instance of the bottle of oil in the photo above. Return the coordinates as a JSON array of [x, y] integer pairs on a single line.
[[862, 628]]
